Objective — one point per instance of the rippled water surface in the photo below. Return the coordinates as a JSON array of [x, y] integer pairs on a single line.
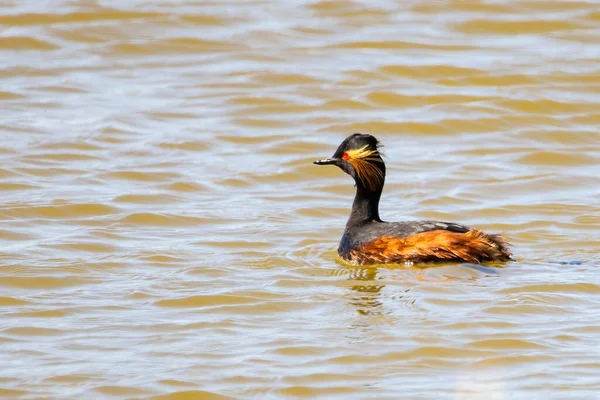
[[164, 234]]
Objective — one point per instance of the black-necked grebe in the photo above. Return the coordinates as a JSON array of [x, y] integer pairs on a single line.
[[369, 240]]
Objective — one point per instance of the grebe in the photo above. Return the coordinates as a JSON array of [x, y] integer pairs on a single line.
[[369, 240]]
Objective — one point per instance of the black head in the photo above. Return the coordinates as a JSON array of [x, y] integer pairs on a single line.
[[358, 156]]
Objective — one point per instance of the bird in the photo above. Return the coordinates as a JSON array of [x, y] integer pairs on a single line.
[[368, 240]]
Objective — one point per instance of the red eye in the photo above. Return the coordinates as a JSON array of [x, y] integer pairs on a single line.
[[345, 156]]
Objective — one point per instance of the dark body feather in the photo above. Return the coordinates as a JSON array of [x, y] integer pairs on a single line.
[[369, 240], [419, 242]]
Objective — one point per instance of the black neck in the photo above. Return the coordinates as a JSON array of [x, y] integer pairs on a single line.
[[366, 206]]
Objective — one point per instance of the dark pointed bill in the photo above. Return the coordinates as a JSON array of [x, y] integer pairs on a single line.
[[326, 161]]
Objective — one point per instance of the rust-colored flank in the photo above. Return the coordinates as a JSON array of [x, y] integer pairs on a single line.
[[472, 246]]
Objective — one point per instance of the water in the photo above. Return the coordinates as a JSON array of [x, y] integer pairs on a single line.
[[165, 235]]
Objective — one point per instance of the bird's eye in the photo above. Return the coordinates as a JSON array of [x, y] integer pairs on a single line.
[[345, 156]]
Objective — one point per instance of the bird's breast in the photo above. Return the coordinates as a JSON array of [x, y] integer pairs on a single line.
[[345, 246]]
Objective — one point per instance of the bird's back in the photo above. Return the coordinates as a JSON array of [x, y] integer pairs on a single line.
[[419, 242]]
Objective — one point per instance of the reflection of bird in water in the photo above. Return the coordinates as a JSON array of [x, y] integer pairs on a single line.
[[369, 240], [367, 297]]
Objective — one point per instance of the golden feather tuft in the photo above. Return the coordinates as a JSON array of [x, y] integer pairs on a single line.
[[363, 160]]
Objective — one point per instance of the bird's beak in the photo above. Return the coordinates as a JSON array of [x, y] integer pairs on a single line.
[[327, 161]]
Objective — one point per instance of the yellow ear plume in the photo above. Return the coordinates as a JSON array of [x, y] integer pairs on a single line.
[[368, 172]]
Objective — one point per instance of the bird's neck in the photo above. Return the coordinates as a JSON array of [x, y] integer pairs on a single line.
[[365, 208]]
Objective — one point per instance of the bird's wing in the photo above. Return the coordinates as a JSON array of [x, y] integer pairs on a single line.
[[408, 228]]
